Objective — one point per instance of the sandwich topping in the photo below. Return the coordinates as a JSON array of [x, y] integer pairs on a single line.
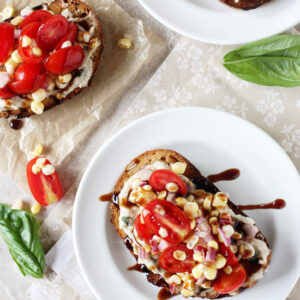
[[44, 55], [190, 237]]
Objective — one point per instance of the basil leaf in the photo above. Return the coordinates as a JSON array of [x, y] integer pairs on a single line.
[[19, 230], [126, 220], [273, 61]]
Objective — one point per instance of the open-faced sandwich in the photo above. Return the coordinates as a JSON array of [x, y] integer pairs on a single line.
[[48, 54], [245, 4], [187, 235]]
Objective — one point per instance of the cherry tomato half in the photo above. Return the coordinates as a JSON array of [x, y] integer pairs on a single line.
[[27, 52], [143, 231], [36, 16], [226, 252], [6, 93], [46, 189], [160, 178], [166, 216], [168, 262], [28, 78], [70, 36], [6, 40], [226, 283], [52, 32], [65, 60]]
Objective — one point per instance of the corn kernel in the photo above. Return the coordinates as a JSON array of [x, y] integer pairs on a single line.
[[228, 270], [190, 198], [35, 209], [37, 107], [206, 285], [8, 12], [213, 220], [66, 44], [39, 95], [26, 41], [191, 241], [172, 187], [214, 228], [210, 273], [18, 205], [86, 37], [174, 279], [193, 223], [35, 169], [199, 257], [60, 86], [94, 43], [228, 230], [124, 43], [189, 284], [220, 261], [207, 202], [16, 57], [220, 200], [233, 248], [178, 167], [246, 250], [10, 66], [48, 169], [16, 21], [37, 51], [237, 235], [191, 210], [198, 271], [40, 161], [179, 255], [163, 232], [213, 244], [187, 293], [214, 213], [180, 201], [147, 187], [38, 150], [65, 78], [162, 195]]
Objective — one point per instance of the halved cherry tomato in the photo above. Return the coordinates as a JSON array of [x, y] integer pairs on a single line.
[[143, 231], [46, 189], [52, 32], [6, 93], [164, 215], [36, 16], [65, 60], [27, 52], [70, 36], [6, 40], [28, 78], [226, 252], [168, 262], [226, 283], [160, 178]]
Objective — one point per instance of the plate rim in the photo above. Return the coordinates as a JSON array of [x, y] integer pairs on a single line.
[[75, 214]]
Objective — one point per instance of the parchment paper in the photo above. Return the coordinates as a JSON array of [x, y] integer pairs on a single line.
[[63, 127]]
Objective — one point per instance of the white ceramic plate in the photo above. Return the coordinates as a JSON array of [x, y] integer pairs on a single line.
[[213, 22], [213, 141]]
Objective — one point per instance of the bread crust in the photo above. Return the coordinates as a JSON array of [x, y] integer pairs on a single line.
[[79, 9], [245, 4], [169, 156]]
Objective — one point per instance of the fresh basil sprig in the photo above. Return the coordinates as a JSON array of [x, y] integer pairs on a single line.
[[19, 230], [274, 61]]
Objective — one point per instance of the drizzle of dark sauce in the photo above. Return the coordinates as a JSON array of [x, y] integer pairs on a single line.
[[229, 174], [127, 242], [164, 294], [16, 124], [277, 204], [138, 268], [106, 197]]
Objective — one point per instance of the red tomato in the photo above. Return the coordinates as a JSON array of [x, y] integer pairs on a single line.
[[160, 178], [226, 252], [225, 283], [172, 220], [28, 78], [52, 32], [36, 16], [143, 231], [46, 189], [70, 36], [168, 262], [26, 52], [6, 40], [5, 93], [65, 60]]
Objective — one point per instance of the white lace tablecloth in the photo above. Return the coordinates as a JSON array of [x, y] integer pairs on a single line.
[[190, 75]]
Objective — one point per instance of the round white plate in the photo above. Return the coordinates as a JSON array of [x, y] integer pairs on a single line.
[[213, 141], [214, 22]]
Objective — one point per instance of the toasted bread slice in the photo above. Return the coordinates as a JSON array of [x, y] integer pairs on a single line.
[[79, 11], [191, 172], [245, 4]]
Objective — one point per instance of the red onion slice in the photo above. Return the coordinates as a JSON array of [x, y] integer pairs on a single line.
[[200, 280], [142, 253], [211, 254], [172, 288], [163, 245], [226, 240], [171, 197]]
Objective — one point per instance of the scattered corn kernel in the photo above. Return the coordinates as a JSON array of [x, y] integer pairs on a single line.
[[191, 241], [37, 51], [36, 208], [234, 248], [207, 202], [172, 187], [160, 210], [18, 205], [237, 235], [26, 41], [66, 44], [214, 213], [187, 293], [174, 279], [60, 85], [16, 57], [213, 244], [213, 220], [163, 232], [193, 223], [40, 162], [191, 210], [210, 273], [220, 261], [228, 230], [179, 255], [214, 228], [37, 107], [16, 21], [198, 271], [124, 43], [38, 150], [191, 198], [178, 167], [180, 201], [199, 257], [39, 95], [65, 78], [162, 195], [35, 169], [48, 169], [228, 270], [220, 200], [10, 66], [189, 284], [147, 187], [246, 250], [206, 285], [8, 12]]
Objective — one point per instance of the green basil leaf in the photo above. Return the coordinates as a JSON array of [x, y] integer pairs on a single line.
[[271, 61], [19, 230]]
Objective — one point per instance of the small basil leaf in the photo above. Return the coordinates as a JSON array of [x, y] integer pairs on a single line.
[[271, 61], [19, 230]]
